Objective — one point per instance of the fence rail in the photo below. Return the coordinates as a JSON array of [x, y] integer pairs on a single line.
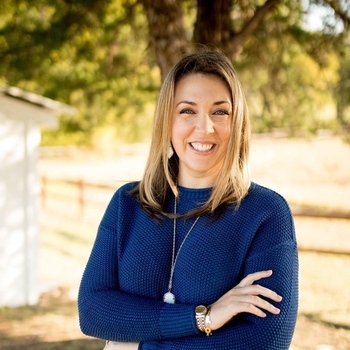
[[86, 194], [81, 186]]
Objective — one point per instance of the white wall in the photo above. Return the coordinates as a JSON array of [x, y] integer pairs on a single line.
[[19, 229]]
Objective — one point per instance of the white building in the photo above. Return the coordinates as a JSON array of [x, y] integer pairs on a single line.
[[21, 115]]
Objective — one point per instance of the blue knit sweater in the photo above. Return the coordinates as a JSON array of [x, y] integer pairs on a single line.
[[120, 296]]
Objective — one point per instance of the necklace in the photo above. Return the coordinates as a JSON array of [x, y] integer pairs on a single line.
[[169, 297]]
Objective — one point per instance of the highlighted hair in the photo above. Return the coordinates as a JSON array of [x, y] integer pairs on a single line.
[[160, 175]]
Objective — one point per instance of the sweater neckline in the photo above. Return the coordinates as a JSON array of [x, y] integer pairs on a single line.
[[194, 193]]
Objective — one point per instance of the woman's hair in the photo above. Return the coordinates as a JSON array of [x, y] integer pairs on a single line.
[[160, 175]]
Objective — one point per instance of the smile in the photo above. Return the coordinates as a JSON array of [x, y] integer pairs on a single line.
[[202, 147]]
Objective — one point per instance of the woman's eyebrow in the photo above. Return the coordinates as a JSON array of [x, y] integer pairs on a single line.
[[186, 102], [193, 103], [222, 102]]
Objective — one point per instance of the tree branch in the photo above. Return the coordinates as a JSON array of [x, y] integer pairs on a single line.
[[253, 23], [214, 24]]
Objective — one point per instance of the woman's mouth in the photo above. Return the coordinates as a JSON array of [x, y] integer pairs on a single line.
[[201, 147]]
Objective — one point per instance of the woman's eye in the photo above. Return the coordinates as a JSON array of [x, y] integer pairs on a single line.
[[221, 112], [186, 111]]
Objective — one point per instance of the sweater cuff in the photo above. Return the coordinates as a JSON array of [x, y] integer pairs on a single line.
[[177, 320]]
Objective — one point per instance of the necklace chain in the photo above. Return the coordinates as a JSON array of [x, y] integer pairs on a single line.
[[174, 258]]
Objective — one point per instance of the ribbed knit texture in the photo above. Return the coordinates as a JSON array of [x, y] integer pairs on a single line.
[[120, 296]]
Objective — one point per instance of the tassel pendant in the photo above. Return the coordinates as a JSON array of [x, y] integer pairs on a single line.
[[169, 298]]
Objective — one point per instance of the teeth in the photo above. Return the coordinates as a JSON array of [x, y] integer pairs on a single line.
[[201, 147]]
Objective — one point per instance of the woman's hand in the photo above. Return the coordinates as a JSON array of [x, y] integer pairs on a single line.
[[245, 297]]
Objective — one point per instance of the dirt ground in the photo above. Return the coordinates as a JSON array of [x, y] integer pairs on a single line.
[[307, 172]]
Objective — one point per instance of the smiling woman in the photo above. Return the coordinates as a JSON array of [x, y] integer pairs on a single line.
[[194, 248], [201, 128]]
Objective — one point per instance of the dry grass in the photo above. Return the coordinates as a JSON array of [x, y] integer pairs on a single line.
[[66, 239]]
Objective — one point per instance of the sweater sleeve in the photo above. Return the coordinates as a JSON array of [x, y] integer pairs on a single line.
[[273, 247], [246, 331], [108, 313]]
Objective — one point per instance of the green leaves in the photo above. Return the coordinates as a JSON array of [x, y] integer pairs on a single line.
[[96, 56]]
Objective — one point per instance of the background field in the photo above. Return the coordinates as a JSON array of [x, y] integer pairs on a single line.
[[309, 173]]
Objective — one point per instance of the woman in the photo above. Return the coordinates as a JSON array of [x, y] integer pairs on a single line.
[[194, 256]]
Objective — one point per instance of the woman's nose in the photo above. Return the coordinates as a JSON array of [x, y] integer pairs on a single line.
[[205, 124]]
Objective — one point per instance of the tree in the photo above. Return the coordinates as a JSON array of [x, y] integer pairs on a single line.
[[106, 57], [80, 52], [213, 26], [268, 43], [224, 24], [167, 33]]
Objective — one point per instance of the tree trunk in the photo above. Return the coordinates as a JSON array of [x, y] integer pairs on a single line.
[[166, 31], [213, 27], [214, 24]]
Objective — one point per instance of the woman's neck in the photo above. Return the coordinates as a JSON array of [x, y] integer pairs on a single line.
[[189, 182]]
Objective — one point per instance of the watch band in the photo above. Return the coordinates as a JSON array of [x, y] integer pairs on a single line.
[[207, 322], [200, 313]]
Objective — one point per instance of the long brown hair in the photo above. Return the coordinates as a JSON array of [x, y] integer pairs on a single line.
[[160, 175]]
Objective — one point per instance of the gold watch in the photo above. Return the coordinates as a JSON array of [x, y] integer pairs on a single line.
[[200, 313]]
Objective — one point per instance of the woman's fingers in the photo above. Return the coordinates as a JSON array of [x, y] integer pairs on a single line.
[[240, 299], [253, 277], [256, 289], [232, 304], [245, 297], [250, 302]]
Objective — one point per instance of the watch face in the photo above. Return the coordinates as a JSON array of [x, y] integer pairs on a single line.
[[201, 310]]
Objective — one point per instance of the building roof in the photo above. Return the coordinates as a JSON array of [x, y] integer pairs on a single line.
[[19, 104]]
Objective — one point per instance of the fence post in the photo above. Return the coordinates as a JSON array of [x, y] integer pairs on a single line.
[[81, 187]]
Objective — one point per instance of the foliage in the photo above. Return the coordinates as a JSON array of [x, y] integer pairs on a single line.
[[288, 88], [104, 58], [90, 56], [341, 92]]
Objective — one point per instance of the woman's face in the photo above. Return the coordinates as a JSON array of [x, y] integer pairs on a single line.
[[201, 128]]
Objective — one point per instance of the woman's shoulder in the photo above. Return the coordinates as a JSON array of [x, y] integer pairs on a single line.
[[122, 200], [125, 191], [261, 195], [127, 187]]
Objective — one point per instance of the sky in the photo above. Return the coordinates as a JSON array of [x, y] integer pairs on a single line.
[[317, 15]]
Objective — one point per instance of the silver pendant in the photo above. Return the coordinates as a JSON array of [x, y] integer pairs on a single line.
[[169, 298]]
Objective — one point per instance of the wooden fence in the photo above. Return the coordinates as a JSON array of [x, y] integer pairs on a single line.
[[73, 190], [86, 194]]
